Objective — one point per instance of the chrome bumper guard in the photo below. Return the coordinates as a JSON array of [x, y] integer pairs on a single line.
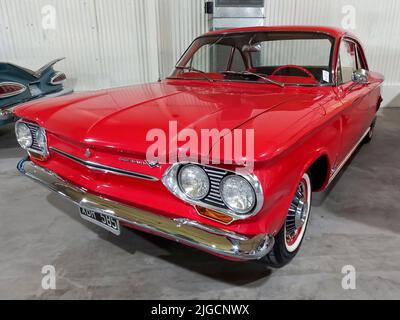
[[213, 240]]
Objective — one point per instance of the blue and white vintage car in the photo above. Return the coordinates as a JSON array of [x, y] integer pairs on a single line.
[[18, 85]]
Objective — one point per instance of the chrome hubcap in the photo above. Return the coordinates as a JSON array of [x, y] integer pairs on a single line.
[[298, 211], [301, 214]]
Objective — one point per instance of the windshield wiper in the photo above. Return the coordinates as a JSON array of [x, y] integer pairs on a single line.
[[248, 73], [190, 69]]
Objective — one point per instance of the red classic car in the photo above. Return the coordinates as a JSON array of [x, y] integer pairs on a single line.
[[298, 100]]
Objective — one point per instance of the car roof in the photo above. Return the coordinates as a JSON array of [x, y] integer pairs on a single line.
[[335, 32]]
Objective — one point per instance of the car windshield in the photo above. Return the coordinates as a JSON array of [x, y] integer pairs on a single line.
[[275, 57]]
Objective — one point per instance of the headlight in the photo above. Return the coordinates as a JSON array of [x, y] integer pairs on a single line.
[[193, 182], [238, 194], [218, 194], [24, 135]]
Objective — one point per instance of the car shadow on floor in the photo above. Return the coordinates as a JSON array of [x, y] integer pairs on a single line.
[[132, 241]]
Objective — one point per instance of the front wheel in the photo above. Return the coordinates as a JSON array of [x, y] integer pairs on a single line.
[[290, 237]]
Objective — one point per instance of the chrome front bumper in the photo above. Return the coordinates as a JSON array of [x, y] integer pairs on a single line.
[[213, 240]]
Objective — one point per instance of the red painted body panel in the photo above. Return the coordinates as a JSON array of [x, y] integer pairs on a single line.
[[293, 127]]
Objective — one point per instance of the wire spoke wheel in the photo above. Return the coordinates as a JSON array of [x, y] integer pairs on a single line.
[[298, 214]]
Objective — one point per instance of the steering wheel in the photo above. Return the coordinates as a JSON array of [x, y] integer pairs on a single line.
[[293, 66]]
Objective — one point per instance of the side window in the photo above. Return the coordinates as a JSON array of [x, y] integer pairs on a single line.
[[347, 61]]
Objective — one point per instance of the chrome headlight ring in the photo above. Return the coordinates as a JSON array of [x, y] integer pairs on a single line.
[[171, 181], [24, 135], [38, 135]]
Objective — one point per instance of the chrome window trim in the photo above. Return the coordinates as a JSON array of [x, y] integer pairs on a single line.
[[358, 46], [15, 93], [172, 172], [104, 168]]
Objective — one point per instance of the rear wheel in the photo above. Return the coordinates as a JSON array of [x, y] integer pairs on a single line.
[[289, 239]]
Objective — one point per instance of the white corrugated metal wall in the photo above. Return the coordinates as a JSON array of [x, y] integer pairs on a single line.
[[117, 42], [180, 21], [106, 42]]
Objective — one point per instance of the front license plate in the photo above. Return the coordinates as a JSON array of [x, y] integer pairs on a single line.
[[35, 90], [105, 221]]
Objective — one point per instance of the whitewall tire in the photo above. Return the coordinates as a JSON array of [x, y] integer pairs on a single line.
[[289, 239]]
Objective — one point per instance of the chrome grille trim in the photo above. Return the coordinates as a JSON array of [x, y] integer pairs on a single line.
[[103, 168], [213, 193], [214, 196], [33, 128]]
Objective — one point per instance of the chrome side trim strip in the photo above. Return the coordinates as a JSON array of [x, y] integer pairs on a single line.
[[103, 168], [213, 240], [340, 167]]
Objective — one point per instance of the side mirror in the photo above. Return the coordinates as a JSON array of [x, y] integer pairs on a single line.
[[360, 76]]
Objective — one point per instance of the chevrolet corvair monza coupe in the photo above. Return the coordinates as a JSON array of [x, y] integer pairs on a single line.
[[306, 92]]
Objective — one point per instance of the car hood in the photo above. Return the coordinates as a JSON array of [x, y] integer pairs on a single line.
[[122, 118]]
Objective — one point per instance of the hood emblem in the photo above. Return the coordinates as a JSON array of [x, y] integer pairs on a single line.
[[151, 164], [88, 153]]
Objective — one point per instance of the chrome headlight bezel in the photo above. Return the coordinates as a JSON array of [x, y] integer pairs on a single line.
[[29, 137], [39, 144], [170, 180]]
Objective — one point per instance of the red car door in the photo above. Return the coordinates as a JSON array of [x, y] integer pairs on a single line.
[[357, 113]]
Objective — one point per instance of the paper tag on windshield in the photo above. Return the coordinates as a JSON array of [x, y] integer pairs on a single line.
[[325, 75]]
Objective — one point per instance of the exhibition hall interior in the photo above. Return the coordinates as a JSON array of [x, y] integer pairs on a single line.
[[199, 150]]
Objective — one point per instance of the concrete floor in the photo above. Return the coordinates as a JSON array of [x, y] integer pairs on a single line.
[[356, 223]]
